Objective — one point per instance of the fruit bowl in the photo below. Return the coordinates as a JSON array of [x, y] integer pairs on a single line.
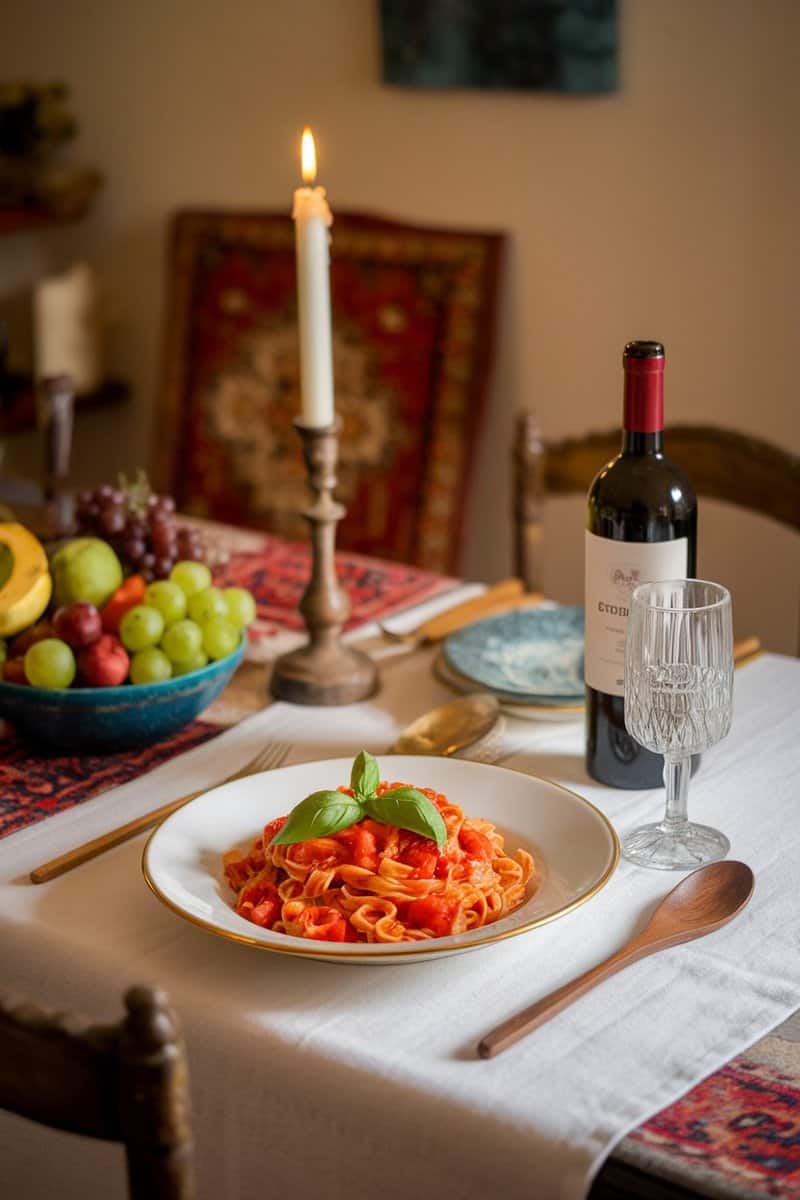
[[115, 718]]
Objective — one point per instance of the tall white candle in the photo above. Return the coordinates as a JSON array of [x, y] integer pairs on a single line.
[[313, 219]]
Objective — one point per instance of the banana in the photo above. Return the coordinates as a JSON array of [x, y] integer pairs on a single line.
[[25, 582]]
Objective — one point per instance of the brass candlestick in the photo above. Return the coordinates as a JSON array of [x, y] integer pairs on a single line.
[[323, 671]]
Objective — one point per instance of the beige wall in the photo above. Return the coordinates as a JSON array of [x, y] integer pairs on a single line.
[[664, 211]]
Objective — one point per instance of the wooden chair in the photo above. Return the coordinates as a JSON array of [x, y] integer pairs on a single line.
[[413, 325], [124, 1083], [724, 465]]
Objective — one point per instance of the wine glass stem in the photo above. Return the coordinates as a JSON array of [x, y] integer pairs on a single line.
[[676, 781]]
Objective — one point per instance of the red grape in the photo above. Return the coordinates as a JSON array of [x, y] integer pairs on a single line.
[[112, 520], [135, 548], [162, 567], [163, 542]]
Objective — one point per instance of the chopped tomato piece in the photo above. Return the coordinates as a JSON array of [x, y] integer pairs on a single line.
[[442, 866], [434, 913], [317, 850], [260, 903], [264, 913], [475, 844], [128, 595], [323, 924], [423, 856], [377, 830], [272, 828], [363, 848]]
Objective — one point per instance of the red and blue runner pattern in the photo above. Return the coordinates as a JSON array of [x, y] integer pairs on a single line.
[[35, 783], [735, 1134]]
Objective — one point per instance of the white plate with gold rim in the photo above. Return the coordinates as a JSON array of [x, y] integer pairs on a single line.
[[573, 843]]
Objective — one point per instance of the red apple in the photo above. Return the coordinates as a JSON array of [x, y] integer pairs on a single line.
[[14, 671], [18, 646], [78, 624], [104, 663]]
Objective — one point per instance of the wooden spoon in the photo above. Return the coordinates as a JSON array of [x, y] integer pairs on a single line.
[[699, 904]]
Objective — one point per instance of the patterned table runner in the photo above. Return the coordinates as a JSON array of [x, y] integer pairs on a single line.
[[36, 783], [736, 1134]]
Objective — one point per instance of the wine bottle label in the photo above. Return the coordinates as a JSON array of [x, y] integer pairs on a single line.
[[613, 570]]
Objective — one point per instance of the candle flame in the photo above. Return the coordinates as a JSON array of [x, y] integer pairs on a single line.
[[308, 156]]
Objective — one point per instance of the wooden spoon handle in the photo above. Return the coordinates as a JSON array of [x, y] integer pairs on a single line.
[[496, 597], [749, 647], [536, 1014]]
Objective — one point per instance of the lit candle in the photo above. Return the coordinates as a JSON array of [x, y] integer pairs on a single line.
[[313, 219]]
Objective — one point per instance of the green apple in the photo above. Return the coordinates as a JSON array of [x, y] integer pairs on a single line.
[[86, 570]]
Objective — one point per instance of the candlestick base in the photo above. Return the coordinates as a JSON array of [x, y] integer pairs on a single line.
[[324, 675], [323, 671]]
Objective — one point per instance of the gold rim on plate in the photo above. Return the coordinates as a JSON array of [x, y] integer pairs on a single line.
[[414, 948]]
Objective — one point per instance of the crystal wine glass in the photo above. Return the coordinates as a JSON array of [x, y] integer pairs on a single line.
[[678, 702]]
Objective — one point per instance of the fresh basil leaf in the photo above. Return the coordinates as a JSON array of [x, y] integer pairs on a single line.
[[318, 815], [409, 809], [365, 775]]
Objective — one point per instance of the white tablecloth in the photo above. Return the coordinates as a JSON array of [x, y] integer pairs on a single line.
[[313, 1079]]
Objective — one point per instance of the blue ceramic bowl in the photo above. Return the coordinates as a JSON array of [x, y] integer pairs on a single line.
[[114, 718]]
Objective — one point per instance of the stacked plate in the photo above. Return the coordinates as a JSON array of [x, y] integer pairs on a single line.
[[530, 658]]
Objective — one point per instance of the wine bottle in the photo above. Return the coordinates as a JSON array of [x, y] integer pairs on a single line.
[[641, 526]]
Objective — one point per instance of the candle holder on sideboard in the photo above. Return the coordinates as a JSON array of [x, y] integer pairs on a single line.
[[323, 671]]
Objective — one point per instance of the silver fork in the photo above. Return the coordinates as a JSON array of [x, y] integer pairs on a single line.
[[268, 757]]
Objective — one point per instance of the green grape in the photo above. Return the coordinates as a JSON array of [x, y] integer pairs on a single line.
[[50, 664], [150, 666], [194, 664], [220, 638], [182, 642], [205, 605], [191, 577], [142, 626], [169, 599], [241, 606]]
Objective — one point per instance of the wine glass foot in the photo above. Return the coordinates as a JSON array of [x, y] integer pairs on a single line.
[[674, 850]]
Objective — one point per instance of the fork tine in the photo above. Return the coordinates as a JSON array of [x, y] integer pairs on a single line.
[[268, 758], [279, 752]]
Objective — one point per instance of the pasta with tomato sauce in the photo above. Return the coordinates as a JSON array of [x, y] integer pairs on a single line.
[[374, 882]]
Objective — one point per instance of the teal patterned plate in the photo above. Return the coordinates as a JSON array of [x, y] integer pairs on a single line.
[[532, 654]]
